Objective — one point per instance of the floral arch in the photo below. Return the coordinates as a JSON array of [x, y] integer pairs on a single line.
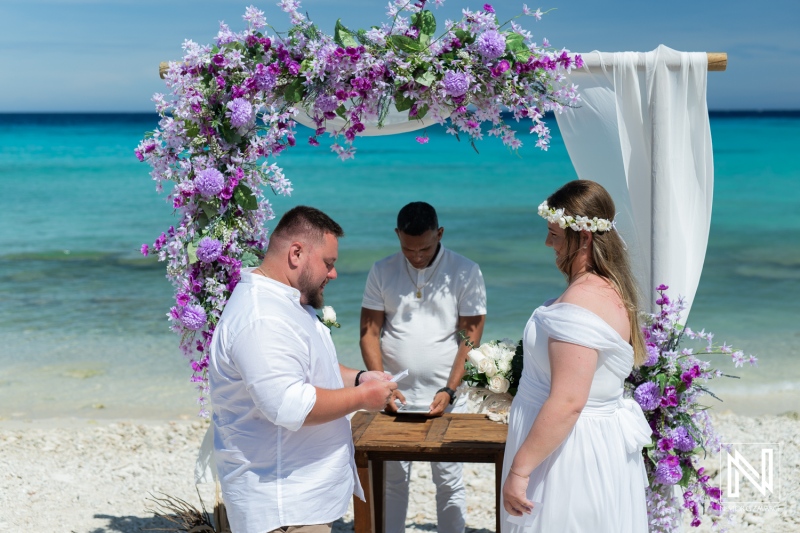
[[234, 107]]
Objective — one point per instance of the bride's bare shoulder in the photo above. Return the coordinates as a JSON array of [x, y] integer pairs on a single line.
[[599, 296]]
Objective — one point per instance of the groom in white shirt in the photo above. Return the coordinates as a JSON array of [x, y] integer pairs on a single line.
[[282, 441]]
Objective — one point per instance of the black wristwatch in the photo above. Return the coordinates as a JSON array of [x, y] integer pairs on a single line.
[[450, 392]]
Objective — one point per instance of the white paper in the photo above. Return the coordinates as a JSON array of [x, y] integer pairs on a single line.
[[526, 519], [399, 375]]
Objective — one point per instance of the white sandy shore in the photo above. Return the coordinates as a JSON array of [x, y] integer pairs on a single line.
[[71, 475]]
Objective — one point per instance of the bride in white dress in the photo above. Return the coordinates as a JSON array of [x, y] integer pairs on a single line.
[[573, 459]]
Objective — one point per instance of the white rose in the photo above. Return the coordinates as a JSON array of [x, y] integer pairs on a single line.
[[475, 356], [487, 367], [328, 314], [499, 384]]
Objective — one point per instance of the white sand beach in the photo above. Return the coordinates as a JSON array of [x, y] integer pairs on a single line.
[[85, 476]]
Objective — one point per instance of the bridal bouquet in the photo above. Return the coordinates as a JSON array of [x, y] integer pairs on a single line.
[[232, 106], [493, 371], [669, 387]]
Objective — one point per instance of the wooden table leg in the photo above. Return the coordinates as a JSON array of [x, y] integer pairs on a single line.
[[378, 494], [498, 487], [363, 511]]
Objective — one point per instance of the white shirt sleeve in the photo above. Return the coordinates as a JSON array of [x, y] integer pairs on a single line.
[[472, 297], [274, 362], [373, 296]]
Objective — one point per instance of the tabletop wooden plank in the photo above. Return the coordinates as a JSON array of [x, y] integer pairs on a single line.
[[438, 428]]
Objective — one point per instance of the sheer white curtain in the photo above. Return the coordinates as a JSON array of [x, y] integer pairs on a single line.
[[642, 132]]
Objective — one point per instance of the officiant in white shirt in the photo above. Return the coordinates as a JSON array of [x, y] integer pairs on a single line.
[[282, 440], [415, 303]]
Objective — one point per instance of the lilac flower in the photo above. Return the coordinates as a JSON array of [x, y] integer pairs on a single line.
[[209, 182], [208, 250], [455, 83], [326, 103], [647, 395], [683, 440], [668, 470], [422, 140], [145, 250], [491, 44], [488, 8], [240, 111], [193, 317], [182, 299], [652, 354], [264, 79]]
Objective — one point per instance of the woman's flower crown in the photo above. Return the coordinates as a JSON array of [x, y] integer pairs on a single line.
[[577, 223]]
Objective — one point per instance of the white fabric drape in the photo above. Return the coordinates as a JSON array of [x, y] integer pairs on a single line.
[[395, 122], [642, 131]]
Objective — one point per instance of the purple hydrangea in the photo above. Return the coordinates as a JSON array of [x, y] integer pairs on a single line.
[[193, 317], [265, 80], [652, 354], [327, 104], [668, 470], [455, 83], [209, 182], [647, 395], [683, 440], [208, 249], [491, 44], [240, 111]]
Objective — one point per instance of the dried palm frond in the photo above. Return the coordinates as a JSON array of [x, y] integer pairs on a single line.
[[185, 517]]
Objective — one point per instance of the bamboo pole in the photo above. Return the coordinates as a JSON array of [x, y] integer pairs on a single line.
[[717, 62]]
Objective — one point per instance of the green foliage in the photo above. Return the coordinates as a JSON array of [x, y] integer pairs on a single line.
[[407, 44], [344, 37], [245, 198], [425, 22], [294, 91]]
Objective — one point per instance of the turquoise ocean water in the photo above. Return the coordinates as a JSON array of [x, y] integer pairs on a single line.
[[83, 330]]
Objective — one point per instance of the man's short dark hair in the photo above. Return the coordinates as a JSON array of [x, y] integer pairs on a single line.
[[306, 222], [416, 218]]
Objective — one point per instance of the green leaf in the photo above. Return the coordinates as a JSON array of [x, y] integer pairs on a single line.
[[422, 111], [293, 92], [208, 210], [515, 43], [250, 259], [342, 36], [402, 103], [464, 36], [245, 198], [341, 111], [191, 251], [406, 44], [425, 22], [192, 130], [426, 78]]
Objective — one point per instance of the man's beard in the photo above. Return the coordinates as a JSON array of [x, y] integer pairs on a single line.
[[309, 291]]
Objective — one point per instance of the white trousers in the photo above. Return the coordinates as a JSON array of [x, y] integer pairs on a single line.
[[451, 498]]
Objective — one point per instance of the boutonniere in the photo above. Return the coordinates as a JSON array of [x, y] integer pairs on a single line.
[[329, 317]]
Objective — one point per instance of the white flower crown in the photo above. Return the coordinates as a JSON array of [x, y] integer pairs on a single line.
[[577, 223]]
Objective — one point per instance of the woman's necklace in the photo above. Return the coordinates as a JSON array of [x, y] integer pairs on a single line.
[[418, 294]]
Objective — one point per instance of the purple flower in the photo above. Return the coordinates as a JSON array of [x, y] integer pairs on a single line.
[[665, 444], [208, 249], [209, 182], [193, 317], [488, 8], [652, 354], [182, 299], [662, 287], [647, 395], [670, 397], [668, 470], [327, 103], [683, 440], [240, 111], [422, 140], [265, 80], [313, 142], [501, 67], [491, 44], [145, 250], [455, 83]]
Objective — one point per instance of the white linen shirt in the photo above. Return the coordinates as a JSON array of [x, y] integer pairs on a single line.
[[268, 354], [420, 334]]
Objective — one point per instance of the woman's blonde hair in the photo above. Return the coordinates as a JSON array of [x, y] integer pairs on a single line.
[[609, 256]]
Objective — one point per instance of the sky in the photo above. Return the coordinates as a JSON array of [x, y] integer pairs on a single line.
[[103, 55]]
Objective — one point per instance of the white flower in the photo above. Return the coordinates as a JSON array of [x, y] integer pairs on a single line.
[[504, 364], [475, 356], [487, 366], [329, 317], [328, 314], [498, 384]]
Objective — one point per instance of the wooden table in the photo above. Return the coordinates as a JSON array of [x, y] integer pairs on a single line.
[[378, 437]]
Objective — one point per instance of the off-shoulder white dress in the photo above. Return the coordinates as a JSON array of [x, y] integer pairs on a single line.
[[595, 480]]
